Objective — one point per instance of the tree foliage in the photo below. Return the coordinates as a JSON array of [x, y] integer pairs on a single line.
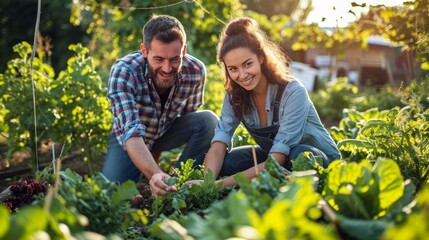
[[116, 28], [18, 21], [406, 25], [295, 9]]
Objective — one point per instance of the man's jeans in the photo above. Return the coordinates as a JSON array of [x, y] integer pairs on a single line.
[[195, 129]]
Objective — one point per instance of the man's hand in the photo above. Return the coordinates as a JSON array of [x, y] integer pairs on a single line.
[[158, 186]]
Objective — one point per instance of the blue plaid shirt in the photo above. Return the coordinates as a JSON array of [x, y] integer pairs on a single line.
[[136, 105]]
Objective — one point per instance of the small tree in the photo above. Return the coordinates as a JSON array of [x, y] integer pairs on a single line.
[[18, 106], [71, 109], [84, 117]]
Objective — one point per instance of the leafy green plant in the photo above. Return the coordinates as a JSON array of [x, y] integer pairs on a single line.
[[265, 188], [104, 203], [16, 89], [187, 172], [363, 190], [83, 112], [367, 197], [417, 220], [48, 217], [71, 109], [188, 197], [305, 162], [293, 207], [331, 101], [353, 120], [401, 135]]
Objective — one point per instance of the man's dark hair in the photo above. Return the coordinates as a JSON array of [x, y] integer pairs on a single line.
[[164, 28]]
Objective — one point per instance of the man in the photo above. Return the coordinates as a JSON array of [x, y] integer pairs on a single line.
[[155, 94]]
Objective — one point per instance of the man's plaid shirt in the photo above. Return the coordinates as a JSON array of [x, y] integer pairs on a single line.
[[136, 105]]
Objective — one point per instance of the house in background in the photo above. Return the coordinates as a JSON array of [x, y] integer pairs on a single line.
[[306, 74], [381, 63]]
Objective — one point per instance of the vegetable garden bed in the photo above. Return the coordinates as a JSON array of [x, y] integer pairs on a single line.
[[378, 190]]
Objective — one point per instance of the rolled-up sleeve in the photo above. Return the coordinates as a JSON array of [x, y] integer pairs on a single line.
[[121, 86], [227, 124], [294, 110]]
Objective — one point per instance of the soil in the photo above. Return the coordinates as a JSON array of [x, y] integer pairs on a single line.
[[18, 168]]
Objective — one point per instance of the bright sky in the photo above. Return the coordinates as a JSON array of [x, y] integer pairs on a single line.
[[325, 9]]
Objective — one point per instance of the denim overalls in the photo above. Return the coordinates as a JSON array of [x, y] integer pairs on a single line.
[[264, 136]]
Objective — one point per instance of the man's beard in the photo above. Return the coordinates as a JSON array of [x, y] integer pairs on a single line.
[[165, 83]]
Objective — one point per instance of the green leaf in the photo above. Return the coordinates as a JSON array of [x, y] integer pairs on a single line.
[[171, 181], [390, 182], [124, 192], [69, 176], [362, 229], [338, 134], [305, 161], [371, 113], [353, 205], [355, 146], [19, 224], [4, 220], [349, 189], [274, 168], [178, 203], [170, 229], [355, 116], [374, 126]]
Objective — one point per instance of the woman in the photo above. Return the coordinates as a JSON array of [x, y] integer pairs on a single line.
[[273, 106]]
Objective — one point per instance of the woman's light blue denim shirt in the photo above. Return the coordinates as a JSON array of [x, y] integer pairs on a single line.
[[298, 119]]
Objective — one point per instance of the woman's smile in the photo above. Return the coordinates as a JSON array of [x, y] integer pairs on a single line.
[[248, 81], [244, 67]]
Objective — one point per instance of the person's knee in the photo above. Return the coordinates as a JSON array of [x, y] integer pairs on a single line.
[[119, 168], [294, 153], [208, 122], [209, 118], [227, 169]]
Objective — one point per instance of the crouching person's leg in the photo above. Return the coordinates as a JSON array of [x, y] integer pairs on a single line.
[[295, 151], [118, 166], [194, 130]]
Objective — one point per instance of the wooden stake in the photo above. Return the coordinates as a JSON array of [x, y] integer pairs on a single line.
[[255, 162]]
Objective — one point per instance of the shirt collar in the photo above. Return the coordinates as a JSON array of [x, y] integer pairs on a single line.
[[271, 95], [147, 72]]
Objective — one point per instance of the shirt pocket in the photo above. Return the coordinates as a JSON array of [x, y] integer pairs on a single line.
[[176, 108]]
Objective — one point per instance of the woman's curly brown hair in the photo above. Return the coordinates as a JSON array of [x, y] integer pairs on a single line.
[[245, 32]]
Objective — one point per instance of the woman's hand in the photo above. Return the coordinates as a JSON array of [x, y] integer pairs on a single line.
[[199, 182], [158, 186], [193, 182]]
